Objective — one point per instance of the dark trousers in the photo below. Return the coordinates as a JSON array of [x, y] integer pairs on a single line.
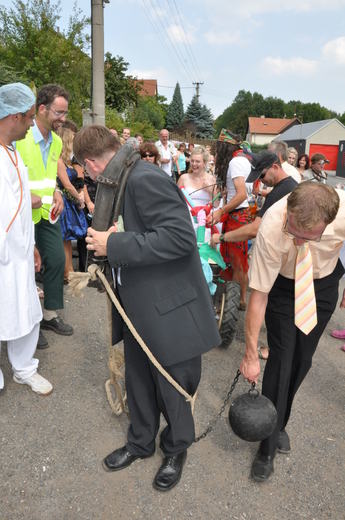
[[149, 394], [50, 245], [82, 252], [291, 351]]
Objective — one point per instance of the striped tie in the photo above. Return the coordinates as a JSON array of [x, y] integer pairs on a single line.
[[305, 304]]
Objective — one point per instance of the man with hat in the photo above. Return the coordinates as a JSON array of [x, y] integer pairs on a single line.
[[266, 167], [294, 278], [20, 309], [316, 171]]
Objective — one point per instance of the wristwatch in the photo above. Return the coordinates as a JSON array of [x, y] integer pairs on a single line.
[[221, 237]]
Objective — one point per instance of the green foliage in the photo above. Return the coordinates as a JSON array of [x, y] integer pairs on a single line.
[[150, 111], [113, 119], [175, 110], [120, 89], [10, 75], [32, 46], [145, 128], [198, 119], [246, 104], [256, 148], [205, 128]]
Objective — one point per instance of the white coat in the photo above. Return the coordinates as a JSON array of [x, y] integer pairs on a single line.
[[20, 307]]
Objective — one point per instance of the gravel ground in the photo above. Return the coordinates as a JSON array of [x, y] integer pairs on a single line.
[[52, 447]]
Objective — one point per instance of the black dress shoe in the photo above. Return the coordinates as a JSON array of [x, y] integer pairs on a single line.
[[170, 472], [262, 467], [42, 342], [283, 444], [58, 326], [120, 459]]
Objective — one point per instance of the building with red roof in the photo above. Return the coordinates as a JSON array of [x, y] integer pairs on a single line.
[[262, 130]]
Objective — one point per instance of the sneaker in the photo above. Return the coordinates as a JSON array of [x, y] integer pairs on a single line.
[[37, 384], [58, 326], [42, 341]]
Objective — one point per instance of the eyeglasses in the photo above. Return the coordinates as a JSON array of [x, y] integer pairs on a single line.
[[58, 113], [292, 236], [147, 155]]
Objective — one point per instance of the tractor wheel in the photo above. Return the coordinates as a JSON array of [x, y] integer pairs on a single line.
[[228, 313]]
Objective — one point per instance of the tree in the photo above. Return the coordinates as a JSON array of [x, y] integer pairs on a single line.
[[9, 75], [205, 127], [175, 111], [245, 105], [198, 119], [120, 90], [235, 117], [149, 110], [32, 46]]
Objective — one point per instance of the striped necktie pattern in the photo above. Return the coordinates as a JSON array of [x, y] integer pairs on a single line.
[[305, 303]]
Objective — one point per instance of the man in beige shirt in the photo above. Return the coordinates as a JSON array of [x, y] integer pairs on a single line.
[[312, 214]]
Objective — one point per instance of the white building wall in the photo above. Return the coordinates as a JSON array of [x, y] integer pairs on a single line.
[[330, 134], [260, 139]]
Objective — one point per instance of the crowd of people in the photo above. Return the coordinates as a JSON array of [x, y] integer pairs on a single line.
[[48, 182]]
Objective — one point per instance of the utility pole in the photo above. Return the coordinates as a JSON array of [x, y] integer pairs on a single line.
[[97, 50], [197, 85]]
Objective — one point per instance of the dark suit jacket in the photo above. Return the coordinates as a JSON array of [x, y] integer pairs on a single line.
[[163, 289]]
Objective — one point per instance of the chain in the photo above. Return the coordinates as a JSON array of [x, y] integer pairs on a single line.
[[226, 400]]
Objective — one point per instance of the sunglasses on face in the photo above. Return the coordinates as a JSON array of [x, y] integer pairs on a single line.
[[143, 155]]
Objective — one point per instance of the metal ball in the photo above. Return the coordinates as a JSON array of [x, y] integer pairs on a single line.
[[252, 416]]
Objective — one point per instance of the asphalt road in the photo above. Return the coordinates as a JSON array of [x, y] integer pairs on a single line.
[[52, 447]]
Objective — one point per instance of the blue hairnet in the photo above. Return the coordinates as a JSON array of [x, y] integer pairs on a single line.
[[15, 98]]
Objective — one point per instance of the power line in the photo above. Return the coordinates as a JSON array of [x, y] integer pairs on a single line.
[[180, 37], [156, 29], [166, 86], [187, 42], [165, 32]]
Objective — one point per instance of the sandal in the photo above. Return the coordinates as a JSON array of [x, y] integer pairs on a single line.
[[242, 306], [261, 356], [40, 292]]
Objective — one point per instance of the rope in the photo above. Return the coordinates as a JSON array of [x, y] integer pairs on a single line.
[[15, 164], [77, 283]]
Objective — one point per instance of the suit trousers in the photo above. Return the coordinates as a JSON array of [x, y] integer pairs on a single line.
[[149, 394], [50, 245], [290, 350]]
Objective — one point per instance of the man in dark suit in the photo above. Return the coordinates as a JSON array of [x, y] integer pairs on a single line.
[[163, 291]]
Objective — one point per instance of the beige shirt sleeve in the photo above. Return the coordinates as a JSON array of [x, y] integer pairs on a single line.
[[268, 251], [275, 252]]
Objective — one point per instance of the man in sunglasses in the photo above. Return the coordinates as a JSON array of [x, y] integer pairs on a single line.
[[40, 151], [266, 167], [294, 278], [317, 171]]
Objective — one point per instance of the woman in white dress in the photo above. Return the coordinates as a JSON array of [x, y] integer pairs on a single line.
[[200, 185]]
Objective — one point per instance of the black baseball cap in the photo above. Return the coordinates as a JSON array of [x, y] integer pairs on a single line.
[[261, 161]]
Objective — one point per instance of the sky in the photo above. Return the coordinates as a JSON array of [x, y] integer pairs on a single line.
[[294, 50]]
